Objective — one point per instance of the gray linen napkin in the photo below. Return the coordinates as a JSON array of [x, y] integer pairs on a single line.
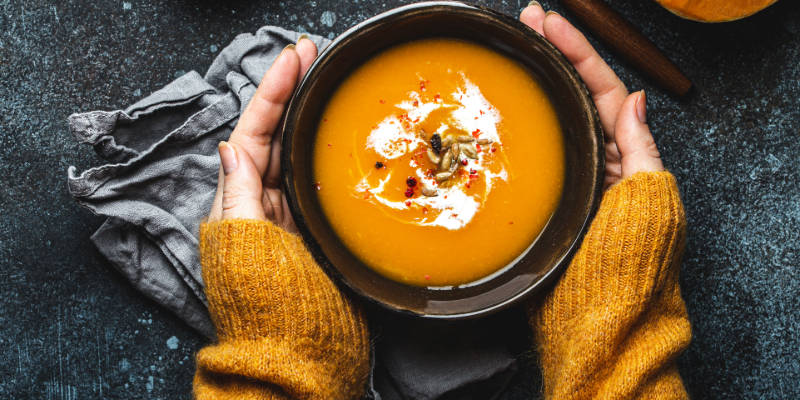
[[159, 183]]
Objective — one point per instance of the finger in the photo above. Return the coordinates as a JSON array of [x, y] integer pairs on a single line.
[[241, 193], [271, 203], [533, 16], [307, 51], [288, 222], [605, 87], [272, 176], [634, 140], [260, 119]]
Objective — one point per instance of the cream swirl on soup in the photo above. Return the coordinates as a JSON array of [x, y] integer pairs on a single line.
[[464, 113]]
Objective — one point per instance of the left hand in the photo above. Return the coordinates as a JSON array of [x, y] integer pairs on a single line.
[[249, 177]]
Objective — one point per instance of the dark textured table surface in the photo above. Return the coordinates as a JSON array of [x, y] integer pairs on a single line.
[[72, 328]]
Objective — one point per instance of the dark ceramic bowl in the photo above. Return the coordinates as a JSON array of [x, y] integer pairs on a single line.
[[583, 141]]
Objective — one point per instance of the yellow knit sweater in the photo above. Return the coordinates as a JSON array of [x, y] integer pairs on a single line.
[[611, 328]]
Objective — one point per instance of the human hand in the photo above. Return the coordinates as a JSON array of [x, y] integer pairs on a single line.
[[629, 145], [250, 175]]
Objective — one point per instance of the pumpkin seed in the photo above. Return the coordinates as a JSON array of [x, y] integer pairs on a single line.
[[465, 139], [470, 152], [454, 149], [423, 135], [484, 142], [447, 159], [433, 157], [443, 176], [430, 192], [446, 142]]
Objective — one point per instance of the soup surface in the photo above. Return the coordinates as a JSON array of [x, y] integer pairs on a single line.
[[438, 162]]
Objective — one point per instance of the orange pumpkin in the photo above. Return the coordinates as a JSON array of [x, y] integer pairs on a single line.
[[715, 10]]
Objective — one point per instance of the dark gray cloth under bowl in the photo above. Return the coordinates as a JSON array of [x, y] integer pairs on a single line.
[[158, 184]]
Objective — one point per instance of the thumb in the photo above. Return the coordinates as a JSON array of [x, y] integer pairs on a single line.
[[241, 193], [635, 143]]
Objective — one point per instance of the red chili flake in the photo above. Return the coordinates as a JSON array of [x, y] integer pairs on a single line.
[[445, 196], [424, 210], [490, 107], [366, 194], [408, 203], [329, 145], [325, 120], [407, 140], [494, 149], [317, 186], [479, 148], [409, 192], [472, 172], [468, 186], [437, 97], [472, 177], [415, 103], [476, 161], [383, 101], [464, 162], [351, 155], [511, 223], [411, 181], [476, 117], [481, 112], [374, 127], [427, 277], [476, 133], [461, 97], [407, 126], [416, 120], [422, 86]]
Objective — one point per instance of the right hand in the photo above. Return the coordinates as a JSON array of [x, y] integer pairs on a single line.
[[629, 146]]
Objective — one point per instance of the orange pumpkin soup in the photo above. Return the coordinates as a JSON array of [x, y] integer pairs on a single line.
[[438, 162]]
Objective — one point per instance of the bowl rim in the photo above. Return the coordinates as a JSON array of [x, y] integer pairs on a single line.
[[303, 89]]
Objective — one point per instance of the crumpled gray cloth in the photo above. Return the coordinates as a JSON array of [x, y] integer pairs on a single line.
[[158, 184]]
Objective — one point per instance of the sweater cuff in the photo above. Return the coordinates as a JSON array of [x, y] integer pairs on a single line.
[[262, 282], [615, 322], [638, 235], [635, 241]]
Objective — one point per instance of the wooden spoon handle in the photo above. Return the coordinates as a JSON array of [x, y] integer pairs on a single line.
[[630, 43]]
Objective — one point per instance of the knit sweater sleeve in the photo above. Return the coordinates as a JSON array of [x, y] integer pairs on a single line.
[[615, 323], [284, 331]]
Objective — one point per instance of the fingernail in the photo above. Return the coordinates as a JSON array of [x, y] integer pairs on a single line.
[[227, 157], [303, 36], [641, 107], [534, 3], [289, 47], [551, 12]]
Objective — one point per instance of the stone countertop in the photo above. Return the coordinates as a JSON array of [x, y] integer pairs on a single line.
[[72, 327]]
